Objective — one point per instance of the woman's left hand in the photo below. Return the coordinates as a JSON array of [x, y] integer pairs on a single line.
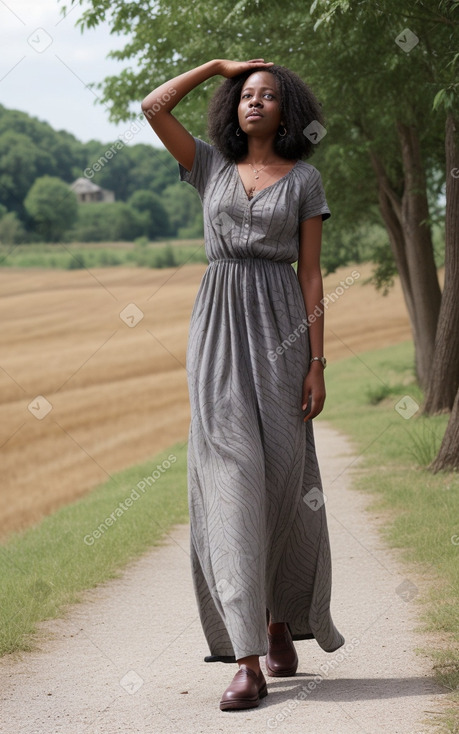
[[314, 390]]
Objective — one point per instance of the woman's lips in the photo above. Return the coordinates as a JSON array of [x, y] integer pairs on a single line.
[[253, 115]]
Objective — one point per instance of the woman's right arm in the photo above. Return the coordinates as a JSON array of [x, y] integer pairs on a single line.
[[158, 104]]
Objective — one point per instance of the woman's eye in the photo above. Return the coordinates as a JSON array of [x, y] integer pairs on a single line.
[[266, 94]]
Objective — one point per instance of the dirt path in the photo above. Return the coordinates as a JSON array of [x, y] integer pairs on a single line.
[[130, 658]]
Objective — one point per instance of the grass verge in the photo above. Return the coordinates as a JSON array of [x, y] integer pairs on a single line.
[[77, 256], [83, 544], [373, 398]]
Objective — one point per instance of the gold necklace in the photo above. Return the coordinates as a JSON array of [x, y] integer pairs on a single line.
[[256, 171]]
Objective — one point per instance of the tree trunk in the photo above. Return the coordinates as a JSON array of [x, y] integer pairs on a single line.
[[390, 205], [444, 381], [448, 456], [410, 238], [419, 250]]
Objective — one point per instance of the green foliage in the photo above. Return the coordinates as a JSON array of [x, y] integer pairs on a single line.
[[357, 244], [156, 257], [107, 222], [57, 152], [169, 257], [377, 393], [75, 256], [125, 169], [53, 207], [425, 442], [385, 269], [11, 229], [196, 229], [31, 149], [184, 209], [20, 164], [77, 262], [151, 210]]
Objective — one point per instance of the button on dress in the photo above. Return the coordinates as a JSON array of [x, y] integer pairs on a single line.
[[259, 537]]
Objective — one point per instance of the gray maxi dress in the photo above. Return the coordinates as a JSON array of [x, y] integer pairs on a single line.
[[259, 537]]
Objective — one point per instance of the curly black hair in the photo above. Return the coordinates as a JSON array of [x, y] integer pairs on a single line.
[[299, 107]]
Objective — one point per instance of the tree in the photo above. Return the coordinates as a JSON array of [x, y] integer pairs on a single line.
[[125, 169], [20, 161], [107, 222], [437, 25], [183, 207], [444, 382], [448, 455], [154, 215], [151, 169], [52, 206], [443, 390], [30, 149], [410, 77], [58, 151], [11, 229]]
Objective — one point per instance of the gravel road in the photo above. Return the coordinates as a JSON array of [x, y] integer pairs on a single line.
[[129, 658]]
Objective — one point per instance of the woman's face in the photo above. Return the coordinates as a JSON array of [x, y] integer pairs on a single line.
[[259, 111]]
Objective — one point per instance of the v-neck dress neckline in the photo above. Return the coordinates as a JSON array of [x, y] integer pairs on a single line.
[[241, 183]]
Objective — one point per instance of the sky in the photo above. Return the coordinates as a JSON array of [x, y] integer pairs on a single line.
[[46, 63]]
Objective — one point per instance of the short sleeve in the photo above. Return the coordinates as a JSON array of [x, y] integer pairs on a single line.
[[313, 201], [206, 160]]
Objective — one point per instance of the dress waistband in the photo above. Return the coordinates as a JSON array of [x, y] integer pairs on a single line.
[[248, 259]]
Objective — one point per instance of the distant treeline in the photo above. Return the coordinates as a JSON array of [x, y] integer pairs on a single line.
[[37, 164]]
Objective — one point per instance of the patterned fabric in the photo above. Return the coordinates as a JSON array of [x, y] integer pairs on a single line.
[[259, 537]]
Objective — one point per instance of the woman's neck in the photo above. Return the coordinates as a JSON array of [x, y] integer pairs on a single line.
[[261, 152]]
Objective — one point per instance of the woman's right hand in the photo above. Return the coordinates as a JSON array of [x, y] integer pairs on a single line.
[[229, 68]]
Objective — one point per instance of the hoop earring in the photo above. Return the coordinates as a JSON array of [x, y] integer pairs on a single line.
[[238, 131], [282, 135]]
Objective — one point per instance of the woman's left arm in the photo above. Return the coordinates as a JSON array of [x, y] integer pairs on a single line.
[[310, 278]]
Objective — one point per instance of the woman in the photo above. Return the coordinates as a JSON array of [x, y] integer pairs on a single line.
[[259, 540]]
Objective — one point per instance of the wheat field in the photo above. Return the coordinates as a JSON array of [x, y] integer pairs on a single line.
[[86, 392]]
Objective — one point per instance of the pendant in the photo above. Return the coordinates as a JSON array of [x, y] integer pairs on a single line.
[[256, 178]]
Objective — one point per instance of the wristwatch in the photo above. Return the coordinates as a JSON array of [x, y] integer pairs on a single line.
[[319, 359]]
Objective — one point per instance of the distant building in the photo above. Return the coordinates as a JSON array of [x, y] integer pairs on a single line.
[[86, 191]]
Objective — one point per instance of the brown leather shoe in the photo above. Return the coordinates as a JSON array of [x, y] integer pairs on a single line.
[[281, 660], [245, 690]]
